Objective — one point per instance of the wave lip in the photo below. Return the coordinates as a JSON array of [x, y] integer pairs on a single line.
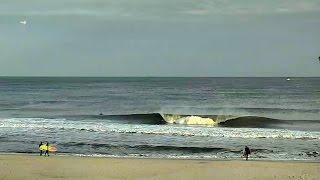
[[206, 120]]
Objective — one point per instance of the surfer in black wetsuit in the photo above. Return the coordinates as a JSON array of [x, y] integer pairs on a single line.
[[47, 150], [246, 152], [40, 149]]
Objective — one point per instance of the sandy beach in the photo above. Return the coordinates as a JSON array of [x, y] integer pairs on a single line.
[[68, 167]]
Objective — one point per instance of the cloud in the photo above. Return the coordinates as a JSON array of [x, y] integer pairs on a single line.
[[157, 9], [196, 12], [229, 7]]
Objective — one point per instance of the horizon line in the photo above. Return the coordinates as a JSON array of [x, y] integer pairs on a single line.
[[159, 76]]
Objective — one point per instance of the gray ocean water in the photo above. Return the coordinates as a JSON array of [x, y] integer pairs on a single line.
[[209, 118]]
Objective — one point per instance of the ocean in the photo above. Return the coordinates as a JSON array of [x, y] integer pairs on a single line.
[[189, 118]]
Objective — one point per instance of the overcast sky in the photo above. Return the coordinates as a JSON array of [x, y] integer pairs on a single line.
[[159, 38]]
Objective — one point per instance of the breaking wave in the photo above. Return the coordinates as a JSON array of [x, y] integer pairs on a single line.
[[193, 120], [221, 120], [205, 120]]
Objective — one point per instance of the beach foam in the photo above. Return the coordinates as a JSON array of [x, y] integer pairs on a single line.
[[102, 126]]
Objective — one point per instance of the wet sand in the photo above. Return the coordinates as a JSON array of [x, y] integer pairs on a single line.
[[68, 167]]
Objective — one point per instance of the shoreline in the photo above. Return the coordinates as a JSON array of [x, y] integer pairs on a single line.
[[159, 158], [73, 167]]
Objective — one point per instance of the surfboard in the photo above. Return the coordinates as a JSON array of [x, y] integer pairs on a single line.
[[50, 148]]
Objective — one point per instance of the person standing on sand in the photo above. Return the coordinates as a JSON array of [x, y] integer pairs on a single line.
[[246, 152], [47, 149], [40, 149]]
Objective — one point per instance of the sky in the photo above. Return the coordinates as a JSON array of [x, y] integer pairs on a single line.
[[185, 38]]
